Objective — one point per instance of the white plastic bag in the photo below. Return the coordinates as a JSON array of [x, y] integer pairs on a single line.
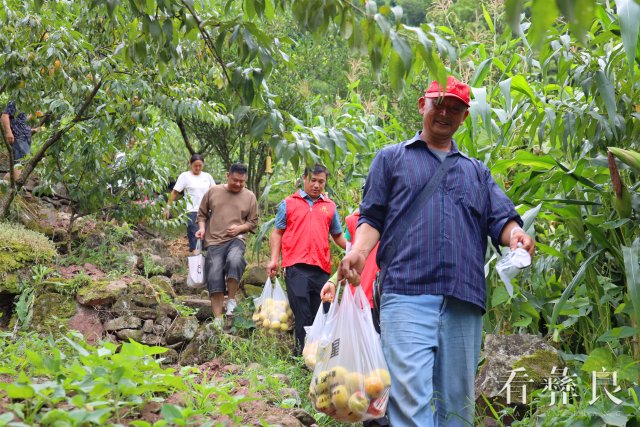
[[272, 308], [351, 380], [510, 265], [319, 333], [195, 279]]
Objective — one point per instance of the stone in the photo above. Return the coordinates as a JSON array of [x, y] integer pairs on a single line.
[[148, 326], [232, 369], [87, 322], [165, 265], [504, 353], [177, 280], [252, 291], [202, 305], [290, 393], [170, 357], [152, 339], [101, 293], [254, 275], [144, 301], [166, 310], [9, 285], [159, 329], [282, 420], [159, 247], [201, 347], [125, 322], [170, 265], [132, 261], [303, 416], [145, 313], [282, 378], [95, 240], [182, 329], [122, 306], [52, 310], [165, 322], [163, 283], [126, 334]]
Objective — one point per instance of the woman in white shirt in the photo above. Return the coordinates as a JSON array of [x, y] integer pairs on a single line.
[[194, 183]]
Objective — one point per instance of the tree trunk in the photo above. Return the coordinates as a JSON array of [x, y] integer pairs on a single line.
[[185, 137]]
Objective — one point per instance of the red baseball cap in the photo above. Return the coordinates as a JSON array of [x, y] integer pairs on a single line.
[[455, 89]]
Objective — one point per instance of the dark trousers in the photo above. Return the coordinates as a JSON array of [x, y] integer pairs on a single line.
[[304, 283], [192, 228]]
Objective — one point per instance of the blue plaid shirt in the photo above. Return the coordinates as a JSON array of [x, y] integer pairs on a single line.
[[443, 252]]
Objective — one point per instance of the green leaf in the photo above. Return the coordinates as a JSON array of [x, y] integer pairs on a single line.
[[488, 19], [632, 272], [81, 350], [499, 296], [614, 418], [629, 14], [514, 9], [155, 30], [249, 9], [598, 358], [607, 92], [481, 73], [524, 158], [520, 84], [618, 333], [529, 216], [18, 391], [505, 88], [569, 289], [396, 72], [171, 411], [403, 49], [543, 15]]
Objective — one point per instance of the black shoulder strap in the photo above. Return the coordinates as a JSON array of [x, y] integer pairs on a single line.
[[397, 236]]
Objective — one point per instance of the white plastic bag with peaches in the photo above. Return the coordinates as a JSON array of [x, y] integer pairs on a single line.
[[351, 380]]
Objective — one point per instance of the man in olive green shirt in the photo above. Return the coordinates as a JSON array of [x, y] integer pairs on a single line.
[[229, 211]]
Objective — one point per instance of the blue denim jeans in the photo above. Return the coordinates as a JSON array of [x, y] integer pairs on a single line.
[[21, 147], [432, 345], [192, 229]]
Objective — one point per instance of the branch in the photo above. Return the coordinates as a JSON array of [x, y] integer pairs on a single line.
[[185, 137], [56, 136], [207, 39]]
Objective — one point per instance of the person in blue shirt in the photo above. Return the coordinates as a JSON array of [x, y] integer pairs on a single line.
[[433, 291], [17, 133]]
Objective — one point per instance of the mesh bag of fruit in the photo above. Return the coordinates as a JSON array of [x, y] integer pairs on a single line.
[[272, 308], [319, 333], [351, 380]]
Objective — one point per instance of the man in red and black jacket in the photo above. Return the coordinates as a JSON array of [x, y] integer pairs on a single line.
[[303, 224]]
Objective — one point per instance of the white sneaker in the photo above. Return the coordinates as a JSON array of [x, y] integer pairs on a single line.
[[231, 305]]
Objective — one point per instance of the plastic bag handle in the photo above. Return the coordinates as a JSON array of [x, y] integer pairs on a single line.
[[334, 305], [199, 245]]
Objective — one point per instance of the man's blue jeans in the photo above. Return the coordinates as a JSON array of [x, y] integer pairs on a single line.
[[432, 345]]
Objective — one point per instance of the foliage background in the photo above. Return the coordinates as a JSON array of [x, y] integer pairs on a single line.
[[554, 85]]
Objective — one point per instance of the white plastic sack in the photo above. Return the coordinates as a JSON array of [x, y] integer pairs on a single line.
[[195, 279], [510, 265], [272, 308], [351, 380], [319, 333]]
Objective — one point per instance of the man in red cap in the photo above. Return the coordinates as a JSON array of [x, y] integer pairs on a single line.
[[431, 258]]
